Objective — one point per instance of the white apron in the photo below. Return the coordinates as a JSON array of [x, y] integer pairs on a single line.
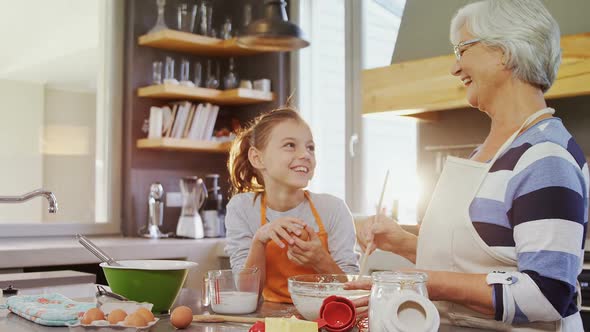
[[448, 240]]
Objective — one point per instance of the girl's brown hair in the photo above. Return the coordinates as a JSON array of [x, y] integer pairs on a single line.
[[243, 176]]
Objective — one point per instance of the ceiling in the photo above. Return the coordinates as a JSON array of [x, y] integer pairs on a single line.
[[52, 42]]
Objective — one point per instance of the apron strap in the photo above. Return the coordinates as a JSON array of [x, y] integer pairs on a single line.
[[511, 139], [318, 219]]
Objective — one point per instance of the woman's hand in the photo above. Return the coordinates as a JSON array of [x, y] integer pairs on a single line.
[[362, 303], [386, 234], [280, 229], [310, 252]]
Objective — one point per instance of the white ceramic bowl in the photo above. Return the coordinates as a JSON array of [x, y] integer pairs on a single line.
[[309, 291]]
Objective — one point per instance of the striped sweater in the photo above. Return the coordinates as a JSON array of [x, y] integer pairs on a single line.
[[533, 207]]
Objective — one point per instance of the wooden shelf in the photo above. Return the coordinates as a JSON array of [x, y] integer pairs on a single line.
[[182, 144], [421, 86], [179, 41], [220, 97]]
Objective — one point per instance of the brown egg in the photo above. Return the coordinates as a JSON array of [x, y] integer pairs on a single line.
[[146, 314], [116, 316], [134, 320], [181, 317], [304, 234], [91, 315]]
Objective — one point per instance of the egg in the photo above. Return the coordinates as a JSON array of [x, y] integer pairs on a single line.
[[304, 234], [181, 317], [116, 316], [91, 315], [146, 314], [135, 320]]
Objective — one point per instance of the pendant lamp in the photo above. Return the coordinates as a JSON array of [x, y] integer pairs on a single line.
[[274, 32]]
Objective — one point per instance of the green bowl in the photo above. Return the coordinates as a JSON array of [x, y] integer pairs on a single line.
[[154, 281]]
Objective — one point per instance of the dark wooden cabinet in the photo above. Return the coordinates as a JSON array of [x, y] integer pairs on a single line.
[[143, 166]]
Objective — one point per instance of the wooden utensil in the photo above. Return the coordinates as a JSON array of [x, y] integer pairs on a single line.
[[363, 264], [224, 318]]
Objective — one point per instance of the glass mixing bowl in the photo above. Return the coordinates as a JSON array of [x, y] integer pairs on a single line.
[[309, 291]]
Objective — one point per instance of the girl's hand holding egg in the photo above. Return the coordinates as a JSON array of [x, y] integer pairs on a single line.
[[279, 230], [304, 236], [308, 252]]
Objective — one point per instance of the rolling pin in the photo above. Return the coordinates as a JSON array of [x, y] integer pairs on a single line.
[[224, 318]]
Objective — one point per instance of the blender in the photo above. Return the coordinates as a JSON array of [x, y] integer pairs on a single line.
[[194, 194]]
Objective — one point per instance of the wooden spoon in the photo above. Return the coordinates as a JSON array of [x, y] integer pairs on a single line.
[[224, 318]]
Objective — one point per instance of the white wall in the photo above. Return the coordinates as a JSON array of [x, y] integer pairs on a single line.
[[69, 153], [21, 132]]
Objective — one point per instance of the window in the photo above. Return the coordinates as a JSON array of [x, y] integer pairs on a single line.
[[62, 86], [388, 141], [328, 89], [321, 90]]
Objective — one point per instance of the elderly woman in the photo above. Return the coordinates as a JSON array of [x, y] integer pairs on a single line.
[[503, 236]]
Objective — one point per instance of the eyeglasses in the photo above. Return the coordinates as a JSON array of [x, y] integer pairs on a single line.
[[458, 49]]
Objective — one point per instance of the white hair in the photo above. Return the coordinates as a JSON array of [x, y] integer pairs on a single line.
[[523, 29]]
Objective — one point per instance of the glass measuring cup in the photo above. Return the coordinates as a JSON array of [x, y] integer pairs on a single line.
[[233, 292]]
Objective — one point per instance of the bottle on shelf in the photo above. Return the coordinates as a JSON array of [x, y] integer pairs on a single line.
[[226, 31], [247, 18], [213, 212], [212, 82], [198, 74], [203, 19], [210, 30], [230, 81], [160, 24], [182, 18]]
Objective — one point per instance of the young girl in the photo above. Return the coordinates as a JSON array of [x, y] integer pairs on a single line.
[[270, 164]]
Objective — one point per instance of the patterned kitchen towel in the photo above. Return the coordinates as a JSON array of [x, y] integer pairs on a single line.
[[48, 309]]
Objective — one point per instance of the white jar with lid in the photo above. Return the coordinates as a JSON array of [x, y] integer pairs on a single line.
[[399, 303]]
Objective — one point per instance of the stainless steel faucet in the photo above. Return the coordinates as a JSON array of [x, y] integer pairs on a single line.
[[39, 192]]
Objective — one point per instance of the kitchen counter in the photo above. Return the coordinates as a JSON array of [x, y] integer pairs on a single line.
[[25, 252], [14, 323], [191, 298], [18, 253]]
